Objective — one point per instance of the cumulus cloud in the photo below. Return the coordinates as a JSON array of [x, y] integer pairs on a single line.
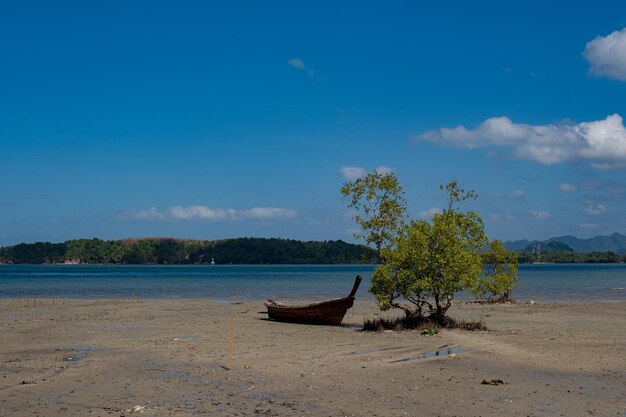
[[539, 215], [607, 55], [296, 63], [299, 64], [207, 213], [427, 214], [384, 170], [352, 173], [151, 214], [501, 217], [568, 188], [601, 142], [268, 213], [201, 212], [517, 194], [595, 209]]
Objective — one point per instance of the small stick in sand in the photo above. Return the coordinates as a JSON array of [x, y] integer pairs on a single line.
[[231, 344]]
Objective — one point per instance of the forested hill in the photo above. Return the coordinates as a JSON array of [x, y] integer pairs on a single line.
[[180, 251], [615, 242]]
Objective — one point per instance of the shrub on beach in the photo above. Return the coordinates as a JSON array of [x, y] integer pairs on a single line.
[[500, 274], [419, 323], [425, 263]]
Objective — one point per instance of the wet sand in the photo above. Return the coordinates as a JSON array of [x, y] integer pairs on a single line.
[[162, 358]]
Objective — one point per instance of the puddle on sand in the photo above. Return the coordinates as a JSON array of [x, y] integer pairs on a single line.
[[373, 350], [186, 338], [75, 357], [82, 351], [263, 396], [444, 351], [85, 348]]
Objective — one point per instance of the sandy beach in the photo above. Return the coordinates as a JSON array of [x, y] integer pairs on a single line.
[[162, 358]]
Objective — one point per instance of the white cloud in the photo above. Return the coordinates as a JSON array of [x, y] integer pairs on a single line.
[[296, 63], [568, 188], [352, 173], [602, 142], [539, 215], [595, 209], [501, 217], [206, 213], [268, 213], [607, 55], [517, 194], [384, 170], [151, 214], [201, 212], [299, 64], [427, 214]]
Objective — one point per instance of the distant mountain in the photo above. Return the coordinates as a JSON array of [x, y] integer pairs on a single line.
[[549, 247], [613, 243], [518, 245]]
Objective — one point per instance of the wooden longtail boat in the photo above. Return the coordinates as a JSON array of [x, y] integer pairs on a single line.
[[329, 312]]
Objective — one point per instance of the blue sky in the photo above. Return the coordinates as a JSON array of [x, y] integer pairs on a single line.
[[207, 120]]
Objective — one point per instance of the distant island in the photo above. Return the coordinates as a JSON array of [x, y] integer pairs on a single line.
[[564, 249], [570, 249], [187, 251]]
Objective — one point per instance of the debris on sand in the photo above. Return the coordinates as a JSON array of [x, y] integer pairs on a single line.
[[136, 409], [492, 382]]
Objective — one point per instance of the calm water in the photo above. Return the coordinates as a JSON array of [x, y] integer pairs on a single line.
[[257, 282]]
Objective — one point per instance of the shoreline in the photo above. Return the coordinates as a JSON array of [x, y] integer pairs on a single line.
[[107, 357], [297, 299]]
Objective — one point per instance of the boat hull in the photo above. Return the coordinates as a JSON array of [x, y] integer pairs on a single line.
[[329, 313]]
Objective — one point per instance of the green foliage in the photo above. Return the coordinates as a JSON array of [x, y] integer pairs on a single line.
[[500, 273], [143, 251], [431, 331], [169, 251], [571, 257], [283, 251], [429, 263], [88, 251], [379, 203], [36, 253]]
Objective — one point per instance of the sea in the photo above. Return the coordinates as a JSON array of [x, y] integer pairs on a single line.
[[542, 282]]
